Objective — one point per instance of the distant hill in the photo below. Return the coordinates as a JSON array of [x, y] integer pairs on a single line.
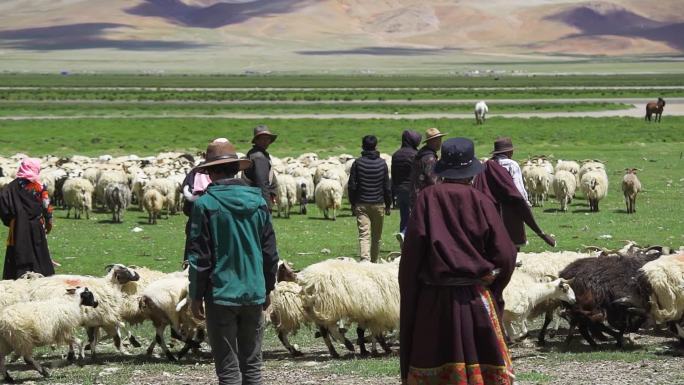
[[329, 35]]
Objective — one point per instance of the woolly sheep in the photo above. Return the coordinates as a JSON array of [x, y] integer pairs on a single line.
[[24, 326], [169, 191], [286, 313], [78, 194], [106, 178], [665, 277], [328, 195], [362, 293], [523, 293], [139, 182], [153, 202], [564, 186], [305, 192], [286, 194], [159, 300], [591, 165], [570, 166], [117, 198], [4, 181], [594, 186], [630, 188]]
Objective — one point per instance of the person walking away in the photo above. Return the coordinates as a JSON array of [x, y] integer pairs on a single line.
[[232, 266], [456, 260], [402, 161], [501, 186], [261, 174], [25, 208], [193, 187], [370, 195]]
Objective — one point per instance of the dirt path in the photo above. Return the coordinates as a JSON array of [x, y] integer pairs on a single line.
[[228, 89]]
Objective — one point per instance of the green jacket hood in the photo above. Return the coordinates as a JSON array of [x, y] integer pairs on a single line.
[[241, 200]]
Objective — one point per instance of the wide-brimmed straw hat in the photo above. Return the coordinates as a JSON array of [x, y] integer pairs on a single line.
[[502, 145], [263, 130], [432, 133], [458, 160], [219, 152]]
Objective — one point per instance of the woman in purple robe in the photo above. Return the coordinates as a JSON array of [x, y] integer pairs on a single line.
[[456, 260]]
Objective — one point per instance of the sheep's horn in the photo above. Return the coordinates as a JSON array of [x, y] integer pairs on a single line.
[[553, 277], [636, 310], [624, 301], [570, 281], [108, 268], [518, 264], [133, 266]]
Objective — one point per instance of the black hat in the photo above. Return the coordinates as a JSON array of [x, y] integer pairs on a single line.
[[502, 145], [458, 160]]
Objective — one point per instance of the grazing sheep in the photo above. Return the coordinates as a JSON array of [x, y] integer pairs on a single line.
[[630, 188], [305, 192], [564, 186], [78, 194], [594, 186], [523, 293], [286, 313], [286, 194], [328, 195], [168, 189], [24, 326], [153, 201], [481, 111], [117, 198]]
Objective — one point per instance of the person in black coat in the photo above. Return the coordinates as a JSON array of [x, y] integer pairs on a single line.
[[402, 161], [370, 195], [261, 174]]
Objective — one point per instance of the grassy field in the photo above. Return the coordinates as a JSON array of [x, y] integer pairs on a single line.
[[47, 94], [86, 246], [322, 81], [117, 109]]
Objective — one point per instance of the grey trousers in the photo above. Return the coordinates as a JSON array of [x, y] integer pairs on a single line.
[[235, 334]]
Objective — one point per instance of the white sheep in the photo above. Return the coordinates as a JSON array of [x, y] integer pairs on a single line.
[[78, 194], [665, 276], [328, 196], [24, 326], [138, 184], [286, 313], [481, 111], [160, 300], [538, 183], [305, 192], [523, 293], [564, 186], [153, 202], [168, 189], [107, 289], [631, 186], [594, 186], [590, 165], [569, 165], [286, 194], [4, 181], [364, 293], [16, 291]]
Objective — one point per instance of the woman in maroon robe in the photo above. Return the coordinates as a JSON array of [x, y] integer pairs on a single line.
[[456, 260]]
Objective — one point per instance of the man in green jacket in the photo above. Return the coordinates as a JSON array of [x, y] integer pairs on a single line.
[[233, 262]]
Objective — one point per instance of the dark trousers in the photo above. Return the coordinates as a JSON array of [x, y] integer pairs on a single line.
[[235, 334], [404, 203]]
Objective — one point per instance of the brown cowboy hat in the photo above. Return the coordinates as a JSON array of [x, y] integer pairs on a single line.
[[502, 145], [432, 133], [263, 130], [222, 153]]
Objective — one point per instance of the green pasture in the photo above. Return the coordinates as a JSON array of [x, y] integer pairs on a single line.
[[86, 246], [117, 109], [336, 81], [160, 95]]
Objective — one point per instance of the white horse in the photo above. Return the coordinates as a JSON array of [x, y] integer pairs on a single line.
[[480, 112]]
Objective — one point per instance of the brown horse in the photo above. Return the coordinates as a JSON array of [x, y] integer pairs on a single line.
[[655, 108]]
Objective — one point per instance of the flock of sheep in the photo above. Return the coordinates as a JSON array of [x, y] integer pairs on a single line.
[[601, 292]]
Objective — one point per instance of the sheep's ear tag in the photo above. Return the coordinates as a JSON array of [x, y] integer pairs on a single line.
[[71, 291]]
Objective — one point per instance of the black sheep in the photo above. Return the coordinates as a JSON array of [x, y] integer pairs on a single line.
[[607, 291]]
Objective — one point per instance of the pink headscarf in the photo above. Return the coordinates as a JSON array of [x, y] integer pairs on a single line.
[[29, 169], [203, 180]]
